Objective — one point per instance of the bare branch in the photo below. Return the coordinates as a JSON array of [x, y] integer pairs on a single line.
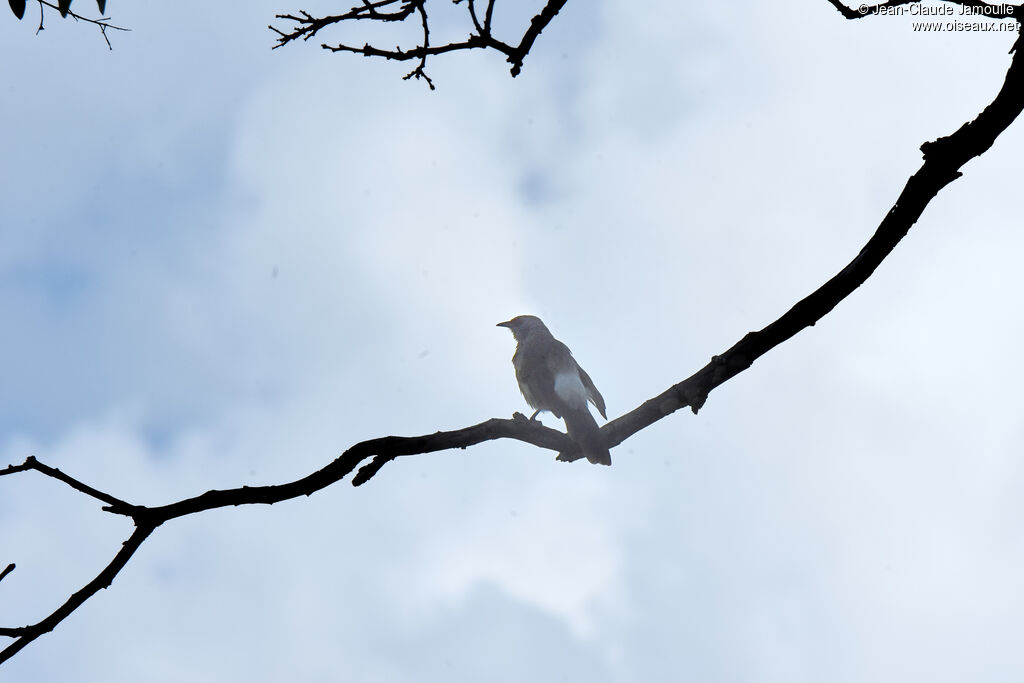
[[102, 22], [382, 451], [472, 15], [147, 519], [943, 159], [26, 634], [114, 504], [537, 24], [308, 25], [480, 36], [418, 72], [488, 15]]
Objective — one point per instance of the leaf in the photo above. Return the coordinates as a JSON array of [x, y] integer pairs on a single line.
[[103, 5], [64, 6], [18, 7]]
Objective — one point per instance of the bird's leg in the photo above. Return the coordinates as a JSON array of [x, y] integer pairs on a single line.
[[534, 416]]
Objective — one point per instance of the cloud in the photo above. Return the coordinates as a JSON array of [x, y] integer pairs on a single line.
[[286, 253]]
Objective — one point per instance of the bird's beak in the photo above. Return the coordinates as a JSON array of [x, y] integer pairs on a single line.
[[507, 323]]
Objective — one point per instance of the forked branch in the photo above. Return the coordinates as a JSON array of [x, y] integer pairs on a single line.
[[480, 34], [64, 9]]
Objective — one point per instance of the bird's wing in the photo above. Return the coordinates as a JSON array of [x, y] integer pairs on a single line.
[[562, 386], [592, 393]]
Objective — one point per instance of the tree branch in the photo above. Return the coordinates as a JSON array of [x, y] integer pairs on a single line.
[[103, 22], [943, 159], [147, 519], [31, 463], [305, 26], [26, 634], [537, 24]]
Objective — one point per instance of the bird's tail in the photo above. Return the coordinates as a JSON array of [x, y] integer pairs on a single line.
[[583, 429]]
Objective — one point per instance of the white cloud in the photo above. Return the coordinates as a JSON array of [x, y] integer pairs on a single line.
[[305, 251]]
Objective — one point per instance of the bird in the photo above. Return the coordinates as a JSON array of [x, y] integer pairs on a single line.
[[552, 380]]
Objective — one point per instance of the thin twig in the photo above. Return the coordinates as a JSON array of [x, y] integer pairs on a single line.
[[114, 504], [102, 22]]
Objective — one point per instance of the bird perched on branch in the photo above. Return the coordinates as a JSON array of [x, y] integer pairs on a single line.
[[551, 379]]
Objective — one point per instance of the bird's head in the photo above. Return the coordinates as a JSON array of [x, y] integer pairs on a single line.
[[523, 326]]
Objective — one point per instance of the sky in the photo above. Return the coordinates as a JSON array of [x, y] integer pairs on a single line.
[[222, 265]]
